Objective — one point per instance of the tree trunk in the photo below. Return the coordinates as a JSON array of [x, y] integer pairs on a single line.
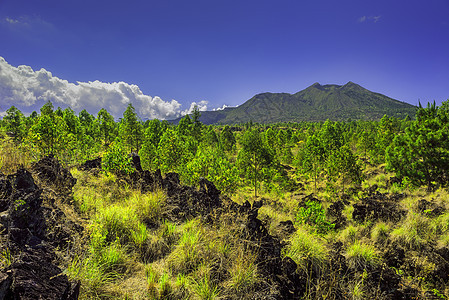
[[255, 177]]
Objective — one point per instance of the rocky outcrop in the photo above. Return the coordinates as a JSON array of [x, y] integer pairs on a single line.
[[28, 237]]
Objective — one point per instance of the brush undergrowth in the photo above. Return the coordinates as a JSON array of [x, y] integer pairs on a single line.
[[129, 238], [133, 252], [131, 242]]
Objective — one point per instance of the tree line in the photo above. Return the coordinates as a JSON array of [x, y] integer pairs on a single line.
[[270, 157]]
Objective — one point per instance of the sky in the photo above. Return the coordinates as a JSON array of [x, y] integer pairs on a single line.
[[166, 56]]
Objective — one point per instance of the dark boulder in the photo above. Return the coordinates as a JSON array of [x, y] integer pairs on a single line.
[[34, 276], [91, 164], [378, 206], [135, 159], [53, 174]]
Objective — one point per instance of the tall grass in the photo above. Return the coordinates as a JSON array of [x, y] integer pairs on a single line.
[[243, 273], [190, 250], [414, 232], [307, 247], [361, 256], [12, 155], [118, 229]]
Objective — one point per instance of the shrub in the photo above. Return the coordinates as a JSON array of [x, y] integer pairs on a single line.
[[350, 234], [147, 207], [314, 215], [118, 222], [205, 289], [116, 160]]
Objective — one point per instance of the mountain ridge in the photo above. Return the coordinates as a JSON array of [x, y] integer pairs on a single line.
[[314, 103]]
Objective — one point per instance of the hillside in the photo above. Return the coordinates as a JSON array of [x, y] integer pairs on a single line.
[[315, 103]]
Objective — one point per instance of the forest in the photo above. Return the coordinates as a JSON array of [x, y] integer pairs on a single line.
[[136, 209]]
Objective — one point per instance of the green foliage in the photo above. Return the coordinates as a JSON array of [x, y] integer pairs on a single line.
[[212, 164], [50, 135], [185, 126], [172, 152], [106, 127], [422, 153], [311, 157], [116, 160], [343, 163], [227, 139], [131, 129], [387, 130], [15, 122], [253, 157], [197, 126], [331, 137], [211, 138], [205, 289], [314, 215]]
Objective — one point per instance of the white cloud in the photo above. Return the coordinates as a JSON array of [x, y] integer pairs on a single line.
[[11, 21], [374, 19], [221, 108], [27, 89], [202, 106]]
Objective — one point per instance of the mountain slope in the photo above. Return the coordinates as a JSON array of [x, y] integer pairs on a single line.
[[315, 103]]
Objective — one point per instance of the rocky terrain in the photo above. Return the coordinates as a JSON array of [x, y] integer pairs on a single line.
[[38, 238]]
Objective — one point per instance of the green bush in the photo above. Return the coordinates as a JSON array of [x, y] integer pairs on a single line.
[[116, 160], [314, 214]]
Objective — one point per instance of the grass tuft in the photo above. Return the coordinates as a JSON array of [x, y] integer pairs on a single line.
[[413, 234], [307, 247], [361, 256]]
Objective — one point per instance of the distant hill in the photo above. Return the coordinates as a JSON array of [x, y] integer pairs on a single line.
[[315, 103]]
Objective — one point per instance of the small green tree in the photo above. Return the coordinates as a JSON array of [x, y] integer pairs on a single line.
[[15, 122], [106, 127], [172, 152], [342, 163], [131, 129], [72, 121], [227, 139], [421, 154], [148, 152], [185, 126], [311, 158], [116, 160], [210, 138], [212, 164], [50, 135], [197, 126], [254, 156]]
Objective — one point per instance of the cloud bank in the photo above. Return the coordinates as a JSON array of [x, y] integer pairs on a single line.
[[28, 89]]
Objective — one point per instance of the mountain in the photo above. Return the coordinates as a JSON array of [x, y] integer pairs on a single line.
[[315, 103]]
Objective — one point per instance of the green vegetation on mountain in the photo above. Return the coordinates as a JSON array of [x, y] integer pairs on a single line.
[[315, 103]]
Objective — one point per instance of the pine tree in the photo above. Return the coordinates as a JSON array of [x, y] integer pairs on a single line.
[[131, 128]]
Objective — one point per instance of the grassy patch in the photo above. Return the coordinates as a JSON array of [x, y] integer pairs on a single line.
[[361, 256], [307, 247], [414, 232]]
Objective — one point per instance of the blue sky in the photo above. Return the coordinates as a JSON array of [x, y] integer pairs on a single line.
[[222, 52]]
